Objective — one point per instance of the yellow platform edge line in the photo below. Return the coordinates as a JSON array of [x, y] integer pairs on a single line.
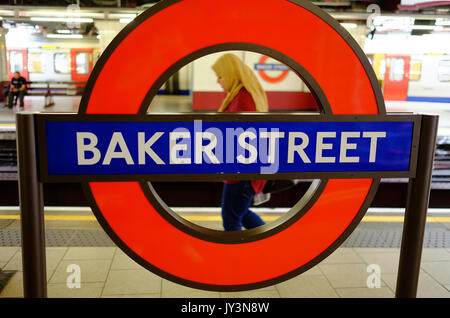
[[218, 218]]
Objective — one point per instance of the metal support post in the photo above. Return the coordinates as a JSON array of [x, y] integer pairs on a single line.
[[31, 210], [416, 212]]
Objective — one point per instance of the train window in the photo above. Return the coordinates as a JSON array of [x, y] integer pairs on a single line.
[[444, 71], [397, 69], [15, 61], [82, 62], [415, 70], [61, 63], [35, 62]]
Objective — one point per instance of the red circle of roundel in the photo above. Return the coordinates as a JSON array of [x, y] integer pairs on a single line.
[[174, 29], [268, 78]]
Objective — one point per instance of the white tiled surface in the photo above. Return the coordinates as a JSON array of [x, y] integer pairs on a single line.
[[109, 272]]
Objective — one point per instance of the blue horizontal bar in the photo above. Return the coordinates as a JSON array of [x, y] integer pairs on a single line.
[[121, 148], [428, 99]]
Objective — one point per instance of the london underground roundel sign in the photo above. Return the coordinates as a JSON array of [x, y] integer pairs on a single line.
[[173, 33], [271, 79]]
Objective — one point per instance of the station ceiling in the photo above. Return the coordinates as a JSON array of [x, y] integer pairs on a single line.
[[51, 15], [333, 5]]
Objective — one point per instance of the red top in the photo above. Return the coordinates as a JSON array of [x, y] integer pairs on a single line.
[[243, 102]]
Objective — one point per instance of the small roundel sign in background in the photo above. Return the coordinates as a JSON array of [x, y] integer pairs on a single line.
[[271, 79], [173, 33]]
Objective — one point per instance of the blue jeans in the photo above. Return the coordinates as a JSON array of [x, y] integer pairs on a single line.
[[236, 201]]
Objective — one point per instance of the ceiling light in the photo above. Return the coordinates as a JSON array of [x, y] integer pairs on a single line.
[[122, 15], [72, 20], [7, 12], [392, 22], [63, 14], [442, 22], [349, 25], [425, 27], [125, 20], [65, 36]]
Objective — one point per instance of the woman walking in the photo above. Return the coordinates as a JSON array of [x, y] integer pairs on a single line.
[[244, 94]]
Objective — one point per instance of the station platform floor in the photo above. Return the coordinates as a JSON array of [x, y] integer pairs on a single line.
[[73, 236]]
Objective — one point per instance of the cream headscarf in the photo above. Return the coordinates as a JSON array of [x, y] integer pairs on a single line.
[[235, 75]]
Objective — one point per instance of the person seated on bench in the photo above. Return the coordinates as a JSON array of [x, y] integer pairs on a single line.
[[18, 88]]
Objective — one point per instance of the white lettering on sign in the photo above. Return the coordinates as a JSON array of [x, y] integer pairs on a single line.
[[346, 146], [272, 136], [373, 135], [321, 146], [175, 147], [247, 146], [330, 148], [300, 149], [123, 153], [82, 148], [145, 148], [208, 149]]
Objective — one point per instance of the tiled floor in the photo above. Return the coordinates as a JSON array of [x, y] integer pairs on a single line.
[[109, 272]]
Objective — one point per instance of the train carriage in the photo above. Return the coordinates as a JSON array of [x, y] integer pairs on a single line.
[[65, 69], [414, 78], [66, 66]]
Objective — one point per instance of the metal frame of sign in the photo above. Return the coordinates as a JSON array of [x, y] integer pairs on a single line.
[[31, 141], [41, 119], [98, 100]]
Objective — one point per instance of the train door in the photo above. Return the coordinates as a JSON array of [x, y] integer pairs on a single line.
[[81, 64], [396, 77], [17, 62]]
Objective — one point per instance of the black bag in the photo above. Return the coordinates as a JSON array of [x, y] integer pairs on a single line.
[[273, 186]]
